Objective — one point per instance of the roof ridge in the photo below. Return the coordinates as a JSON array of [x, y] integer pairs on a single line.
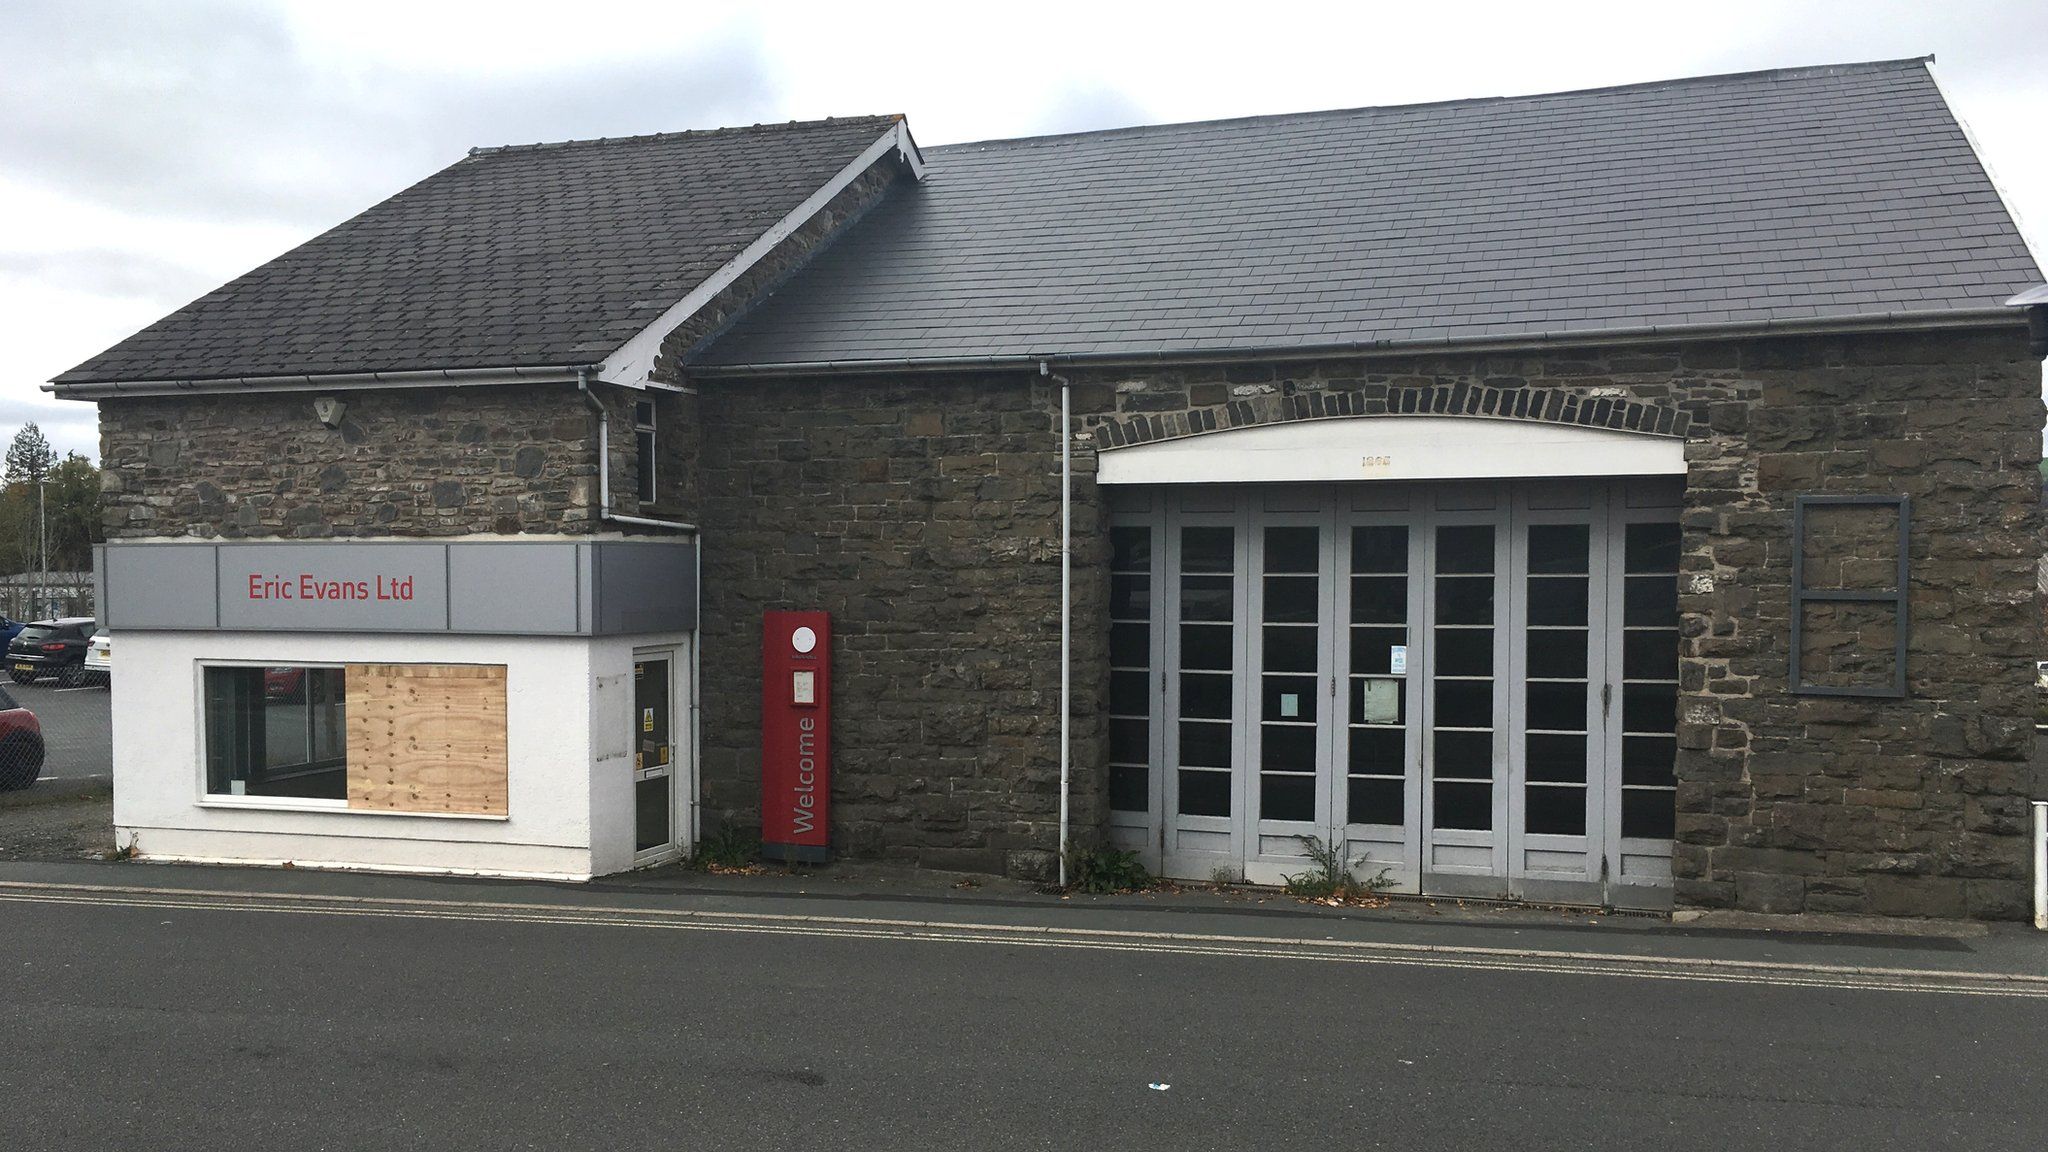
[[1787, 73], [730, 130]]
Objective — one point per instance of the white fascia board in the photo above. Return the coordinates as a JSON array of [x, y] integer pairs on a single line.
[[1392, 448], [634, 360]]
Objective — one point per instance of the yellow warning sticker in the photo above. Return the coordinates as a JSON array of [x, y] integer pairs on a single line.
[[647, 719]]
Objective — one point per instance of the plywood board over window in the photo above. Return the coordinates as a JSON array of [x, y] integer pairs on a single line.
[[427, 738]]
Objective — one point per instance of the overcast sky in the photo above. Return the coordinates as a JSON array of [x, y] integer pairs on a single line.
[[150, 151]]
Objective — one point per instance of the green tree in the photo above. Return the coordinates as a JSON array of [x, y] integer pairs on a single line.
[[73, 505], [29, 457]]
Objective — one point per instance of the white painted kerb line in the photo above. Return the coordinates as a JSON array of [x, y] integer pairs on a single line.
[[1750, 972]]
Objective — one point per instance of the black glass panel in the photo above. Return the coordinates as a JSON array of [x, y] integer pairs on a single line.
[[1650, 600], [1650, 655], [1208, 549], [1204, 696], [1464, 652], [1204, 793], [1464, 600], [1128, 787], [1288, 698], [1648, 813], [1372, 649], [1557, 655], [1130, 741], [1557, 600], [1290, 649], [1379, 549], [1382, 750], [1287, 797], [1130, 645], [1651, 548], [1462, 805], [1649, 707], [1206, 646], [1649, 760], [1557, 548], [1464, 548], [1130, 549], [1283, 748], [1130, 693], [1293, 550], [1130, 597], [1560, 759], [1292, 600], [1554, 811], [1204, 744], [1206, 598], [650, 813], [1464, 755], [1379, 716], [1379, 599], [1464, 703], [1558, 707], [1376, 801]]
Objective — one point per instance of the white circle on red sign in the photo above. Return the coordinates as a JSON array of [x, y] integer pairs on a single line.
[[803, 639]]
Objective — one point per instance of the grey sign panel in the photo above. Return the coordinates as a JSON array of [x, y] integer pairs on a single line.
[[539, 588], [514, 588], [334, 587], [645, 586], [156, 586]]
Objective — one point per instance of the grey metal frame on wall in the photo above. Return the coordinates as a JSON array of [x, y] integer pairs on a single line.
[[1244, 707]]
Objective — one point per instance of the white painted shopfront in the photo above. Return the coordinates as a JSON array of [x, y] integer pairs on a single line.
[[489, 707], [1471, 683]]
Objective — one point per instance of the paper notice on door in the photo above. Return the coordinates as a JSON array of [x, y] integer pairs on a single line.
[[1379, 700], [1290, 705], [1397, 659]]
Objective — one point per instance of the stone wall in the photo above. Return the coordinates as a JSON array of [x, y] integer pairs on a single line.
[[923, 513], [443, 462]]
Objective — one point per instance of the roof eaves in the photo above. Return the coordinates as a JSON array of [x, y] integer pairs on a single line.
[[1895, 321]]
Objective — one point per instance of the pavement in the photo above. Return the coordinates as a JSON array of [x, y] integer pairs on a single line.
[[184, 1007]]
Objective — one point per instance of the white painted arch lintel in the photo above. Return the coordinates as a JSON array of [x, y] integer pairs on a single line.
[[1392, 448]]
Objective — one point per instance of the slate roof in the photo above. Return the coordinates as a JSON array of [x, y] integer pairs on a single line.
[[536, 255], [1799, 195]]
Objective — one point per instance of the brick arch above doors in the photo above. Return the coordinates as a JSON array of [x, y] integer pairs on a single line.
[[1539, 405]]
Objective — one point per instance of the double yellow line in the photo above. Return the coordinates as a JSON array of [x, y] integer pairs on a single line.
[[1440, 956]]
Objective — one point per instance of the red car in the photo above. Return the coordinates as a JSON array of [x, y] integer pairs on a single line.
[[21, 745]]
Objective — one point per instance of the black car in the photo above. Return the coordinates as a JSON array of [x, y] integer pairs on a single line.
[[51, 648]]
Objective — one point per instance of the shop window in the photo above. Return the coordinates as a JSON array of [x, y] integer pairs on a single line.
[[278, 731], [643, 449], [1849, 581], [412, 738]]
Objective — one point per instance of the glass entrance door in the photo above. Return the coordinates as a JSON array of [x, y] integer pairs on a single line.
[[653, 743]]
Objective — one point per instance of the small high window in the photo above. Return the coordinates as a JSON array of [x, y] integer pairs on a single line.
[[1849, 581], [643, 445]]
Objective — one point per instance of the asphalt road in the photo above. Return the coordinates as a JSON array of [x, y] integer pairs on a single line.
[[254, 1022]]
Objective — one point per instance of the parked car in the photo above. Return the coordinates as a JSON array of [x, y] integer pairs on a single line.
[[50, 648], [21, 745], [99, 657], [9, 629]]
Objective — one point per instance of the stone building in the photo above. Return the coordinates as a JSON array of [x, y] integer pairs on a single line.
[[1623, 497]]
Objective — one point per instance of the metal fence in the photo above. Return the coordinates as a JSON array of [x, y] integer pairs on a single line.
[[42, 595]]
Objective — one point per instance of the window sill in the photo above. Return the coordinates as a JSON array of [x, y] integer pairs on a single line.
[[287, 804]]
